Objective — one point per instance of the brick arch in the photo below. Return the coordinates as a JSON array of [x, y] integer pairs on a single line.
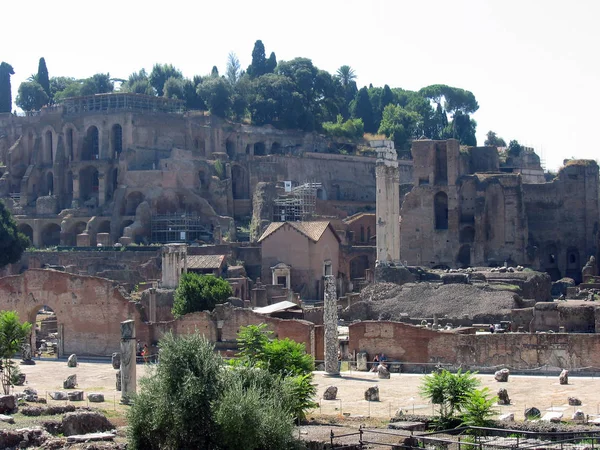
[[88, 309]]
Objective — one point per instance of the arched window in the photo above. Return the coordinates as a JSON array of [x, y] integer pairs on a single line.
[[91, 145], [48, 150], [440, 204], [117, 140]]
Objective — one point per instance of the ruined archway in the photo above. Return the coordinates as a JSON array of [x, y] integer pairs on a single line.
[[70, 144], [50, 235], [239, 183], [440, 206], [91, 144], [48, 148], [116, 135], [89, 183], [230, 148], [45, 336], [463, 258], [132, 202], [276, 148], [358, 266], [26, 230], [549, 261], [260, 149], [76, 228], [199, 147], [104, 227], [467, 235]]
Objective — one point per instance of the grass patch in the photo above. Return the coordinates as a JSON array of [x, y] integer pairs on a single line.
[[504, 287]]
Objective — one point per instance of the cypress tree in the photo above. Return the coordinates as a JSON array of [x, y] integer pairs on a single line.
[[6, 71], [364, 110], [42, 76]]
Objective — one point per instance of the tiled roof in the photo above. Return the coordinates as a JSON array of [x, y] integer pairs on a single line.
[[205, 261], [312, 230]]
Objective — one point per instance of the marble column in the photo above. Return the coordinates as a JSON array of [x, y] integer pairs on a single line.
[[330, 320], [128, 360]]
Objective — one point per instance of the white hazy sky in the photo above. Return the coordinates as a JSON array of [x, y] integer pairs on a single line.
[[532, 64]]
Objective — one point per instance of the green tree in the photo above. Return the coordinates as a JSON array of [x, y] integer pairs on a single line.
[[199, 293], [12, 242], [478, 408], [514, 148], [160, 74], [462, 128], [31, 96], [258, 66], [345, 74], [400, 125], [12, 336], [216, 94], [214, 72], [493, 140], [273, 99], [6, 71], [351, 128], [174, 88], [43, 78], [99, 83], [362, 109], [190, 93], [271, 63], [448, 391], [233, 72], [173, 409]]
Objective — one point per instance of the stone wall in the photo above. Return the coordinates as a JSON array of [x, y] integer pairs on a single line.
[[480, 352]]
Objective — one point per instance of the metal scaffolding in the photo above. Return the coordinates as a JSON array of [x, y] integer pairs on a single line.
[[179, 228], [122, 101], [298, 205]]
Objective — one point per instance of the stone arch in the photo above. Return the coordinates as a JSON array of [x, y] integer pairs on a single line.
[[463, 259], [49, 183], [239, 182], [276, 148], [50, 235], [48, 155], [440, 206], [113, 183], [230, 148], [70, 237], [321, 194], [91, 144], [89, 183], [116, 140], [358, 266], [104, 227], [467, 235], [573, 264], [260, 149], [132, 201], [70, 142], [26, 230]]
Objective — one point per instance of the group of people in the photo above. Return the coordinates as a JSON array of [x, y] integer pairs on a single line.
[[379, 360]]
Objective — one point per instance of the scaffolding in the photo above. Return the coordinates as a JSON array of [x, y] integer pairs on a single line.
[[122, 101], [185, 227], [298, 205]]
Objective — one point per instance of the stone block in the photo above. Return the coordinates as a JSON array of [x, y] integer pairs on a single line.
[[382, 372], [372, 394], [95, 397], [103, 239], [503, 398], [564, 377], [116, 360], [502, 375], [72, 361], [362, 361], [83, 240], [70, 382], [574, 401], [510, 417], [8, 404], [46, 205], [578, 416], [6, 419], [330, 393], [75, 396], [58, 395], [125, 240], [532, 413]]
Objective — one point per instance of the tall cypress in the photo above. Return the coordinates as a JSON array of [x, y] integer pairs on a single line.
[[6, 71], [42, 76]]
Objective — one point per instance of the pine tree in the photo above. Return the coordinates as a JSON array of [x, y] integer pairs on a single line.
[[259, 60], [6, 71], [364, 110]]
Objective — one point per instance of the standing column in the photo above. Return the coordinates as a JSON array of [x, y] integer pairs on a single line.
[[128, 360], [330, 320]]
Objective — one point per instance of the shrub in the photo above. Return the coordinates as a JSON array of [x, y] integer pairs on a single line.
[[478, 408], [199, 293], [351, 128]]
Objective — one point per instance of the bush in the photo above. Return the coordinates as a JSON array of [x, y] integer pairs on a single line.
[[478, 408], [199, 293], [351, 128]]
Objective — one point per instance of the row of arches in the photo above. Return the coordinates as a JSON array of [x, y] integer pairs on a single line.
[[90, 146]]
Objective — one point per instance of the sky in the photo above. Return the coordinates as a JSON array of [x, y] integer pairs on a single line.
[[533, 65]]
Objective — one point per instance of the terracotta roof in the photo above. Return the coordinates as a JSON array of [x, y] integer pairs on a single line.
[[205, 261], [312, 230]]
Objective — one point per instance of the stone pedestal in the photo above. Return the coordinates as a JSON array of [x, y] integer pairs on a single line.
[[128, 360], [125, 240], [330, 320], [83, 240], [103, 239]]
